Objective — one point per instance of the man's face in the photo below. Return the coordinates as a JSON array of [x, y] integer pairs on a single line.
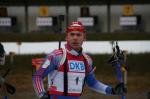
[[75, 39]]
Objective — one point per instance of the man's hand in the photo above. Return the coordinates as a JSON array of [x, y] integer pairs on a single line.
[[120, 89], [10, 89]]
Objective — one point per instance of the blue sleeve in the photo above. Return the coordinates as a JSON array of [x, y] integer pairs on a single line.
[[93, 83], [97, 86]]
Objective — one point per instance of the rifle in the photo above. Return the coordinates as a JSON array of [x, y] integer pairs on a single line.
[[118, 60], [6, 87]]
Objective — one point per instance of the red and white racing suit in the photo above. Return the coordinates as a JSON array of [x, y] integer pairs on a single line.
[[67, 74]]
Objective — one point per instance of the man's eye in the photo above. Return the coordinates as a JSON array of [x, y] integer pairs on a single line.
[[72, 34]]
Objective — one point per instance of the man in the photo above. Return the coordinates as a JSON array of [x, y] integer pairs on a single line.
[[2, 55], [4, 86], [69, 69], [2, 62]]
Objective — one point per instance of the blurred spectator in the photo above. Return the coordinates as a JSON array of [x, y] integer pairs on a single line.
[[2, 55]]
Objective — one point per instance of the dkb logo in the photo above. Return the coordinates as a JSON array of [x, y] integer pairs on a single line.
[[77, 66]]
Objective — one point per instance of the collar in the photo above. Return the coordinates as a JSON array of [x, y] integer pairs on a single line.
[[72, 51]]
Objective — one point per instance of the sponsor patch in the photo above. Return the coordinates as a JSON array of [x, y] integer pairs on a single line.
[[76, 66]]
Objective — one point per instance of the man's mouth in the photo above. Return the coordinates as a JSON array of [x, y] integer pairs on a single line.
[[75, 43]]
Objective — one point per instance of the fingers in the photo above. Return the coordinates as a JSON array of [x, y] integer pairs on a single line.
[[120, 89]]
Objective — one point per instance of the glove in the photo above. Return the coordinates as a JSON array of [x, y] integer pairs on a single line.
[[120, 89], [45, 96], [10, 89]]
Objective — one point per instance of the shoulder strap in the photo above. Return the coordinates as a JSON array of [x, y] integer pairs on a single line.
[[65, 78], [63, 56], [86, 61], [64, 61]]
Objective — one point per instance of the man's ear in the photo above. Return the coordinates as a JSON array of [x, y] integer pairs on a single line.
[[66, 38], [84, 37]]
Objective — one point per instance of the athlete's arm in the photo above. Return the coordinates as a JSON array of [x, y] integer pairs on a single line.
[[94, 84], [49, 65]]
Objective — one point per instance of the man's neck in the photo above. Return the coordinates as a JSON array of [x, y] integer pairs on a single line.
[[77, 51]]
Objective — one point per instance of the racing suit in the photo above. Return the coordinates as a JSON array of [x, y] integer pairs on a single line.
[[66, 80]]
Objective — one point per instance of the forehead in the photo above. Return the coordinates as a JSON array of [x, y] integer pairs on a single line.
[[75, 32]]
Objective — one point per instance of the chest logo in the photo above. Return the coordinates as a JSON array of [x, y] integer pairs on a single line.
[[76, 66]]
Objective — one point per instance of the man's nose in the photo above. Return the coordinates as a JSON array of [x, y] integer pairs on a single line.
[[75, 36]]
